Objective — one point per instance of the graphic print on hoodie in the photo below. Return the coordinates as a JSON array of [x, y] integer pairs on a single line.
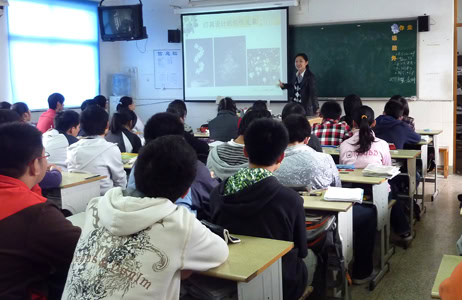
[[134, 247], [94, 155]]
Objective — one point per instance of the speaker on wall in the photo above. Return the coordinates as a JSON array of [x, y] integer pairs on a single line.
[[423, 23], [174, 36]]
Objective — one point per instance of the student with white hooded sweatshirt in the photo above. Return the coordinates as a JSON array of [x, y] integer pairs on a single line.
[[93, 154], [138, 244]]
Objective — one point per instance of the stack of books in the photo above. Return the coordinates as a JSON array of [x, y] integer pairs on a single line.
[[376, 170], [344, 194]]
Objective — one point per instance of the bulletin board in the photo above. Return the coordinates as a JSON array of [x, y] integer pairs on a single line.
[[168, 69]]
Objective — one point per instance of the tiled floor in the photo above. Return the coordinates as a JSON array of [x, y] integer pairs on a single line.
[[413, 270]]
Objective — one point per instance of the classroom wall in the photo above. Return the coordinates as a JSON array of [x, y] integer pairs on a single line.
[[434, 109], [5, 88]]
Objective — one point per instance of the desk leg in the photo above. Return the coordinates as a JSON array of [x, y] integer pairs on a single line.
[[380, 198], [267, 285], [76, 198], [423, 158], [411, 169], [437, 159]]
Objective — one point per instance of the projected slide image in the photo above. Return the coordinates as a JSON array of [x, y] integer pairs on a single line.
[[199, 68], [230, 65], [263, 66]]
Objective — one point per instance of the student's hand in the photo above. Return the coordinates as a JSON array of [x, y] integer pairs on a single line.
[[281, 85], [54, 167], [185, 274]]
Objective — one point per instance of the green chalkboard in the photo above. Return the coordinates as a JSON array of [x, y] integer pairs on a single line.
[[366, 59]]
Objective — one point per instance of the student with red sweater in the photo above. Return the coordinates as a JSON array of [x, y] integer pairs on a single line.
[[37, 242], [55, 104]]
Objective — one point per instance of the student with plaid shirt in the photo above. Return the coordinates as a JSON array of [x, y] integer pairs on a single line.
[[331, 131]]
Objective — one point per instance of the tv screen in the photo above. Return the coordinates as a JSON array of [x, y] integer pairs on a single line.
[[121, 23]]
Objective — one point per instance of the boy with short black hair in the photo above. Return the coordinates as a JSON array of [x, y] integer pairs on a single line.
[[226, 159], [390, 128], [56, 141], [295, 108], [253, 202], [93, 154], [331, 131], [197, 199], [302, 165], [37, 241], [55, 104], [136, 246]]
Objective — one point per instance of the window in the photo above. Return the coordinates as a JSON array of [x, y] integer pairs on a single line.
[[53, 47]]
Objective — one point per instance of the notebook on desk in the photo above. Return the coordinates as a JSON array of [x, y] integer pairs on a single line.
[[344, 194], [376, 170]]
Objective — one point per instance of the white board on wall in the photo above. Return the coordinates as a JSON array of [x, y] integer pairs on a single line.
[[168, 69]]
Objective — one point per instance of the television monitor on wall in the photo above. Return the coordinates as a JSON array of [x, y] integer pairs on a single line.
[[121, 23]]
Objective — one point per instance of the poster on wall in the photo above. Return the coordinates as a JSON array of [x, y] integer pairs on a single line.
[[168, 69]]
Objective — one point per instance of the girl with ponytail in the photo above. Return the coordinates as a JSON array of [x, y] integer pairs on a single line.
[[128, 103], [363, 147], [120, 131]]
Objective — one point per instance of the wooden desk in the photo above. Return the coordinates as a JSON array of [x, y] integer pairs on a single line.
[[434, 134], [448, 264], [380, 199], [314, 120], [254, 263], [126, 158], [77, 189], [201, 134]]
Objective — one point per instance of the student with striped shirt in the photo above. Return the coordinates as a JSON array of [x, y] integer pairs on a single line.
[[228, 158]]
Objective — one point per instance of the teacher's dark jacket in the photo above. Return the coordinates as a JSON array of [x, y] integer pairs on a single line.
[[308, 96]]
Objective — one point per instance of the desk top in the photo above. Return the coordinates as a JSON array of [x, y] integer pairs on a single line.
[[407, 154], [400, 153], [357, 177], [425, 142], [314, 120], [428, 132], [317, 203], [201, 134], [74, 179], [249, 258], [126, 158], [448, 264]]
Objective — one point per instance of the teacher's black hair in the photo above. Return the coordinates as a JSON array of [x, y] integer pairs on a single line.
[[303, 55]]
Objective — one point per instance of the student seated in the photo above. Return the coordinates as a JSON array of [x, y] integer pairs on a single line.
[[5, 105], [120, 131], [331, 131], [22, 110], [364, 148], [302, 165], [182, 110], [137, 244], [178, 108], [450, 288], [37, 242], [350, 104], [224, 126], [226, 159], [406, 118], [253, 202], [128, 103], [197, 199], [93, 154], [101, 101], [390, 128], [259, 105], [296, 108], [55, 104], [7, 116], [56, 141]]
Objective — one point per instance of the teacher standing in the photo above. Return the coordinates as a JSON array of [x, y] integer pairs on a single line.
[[303, 90]]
